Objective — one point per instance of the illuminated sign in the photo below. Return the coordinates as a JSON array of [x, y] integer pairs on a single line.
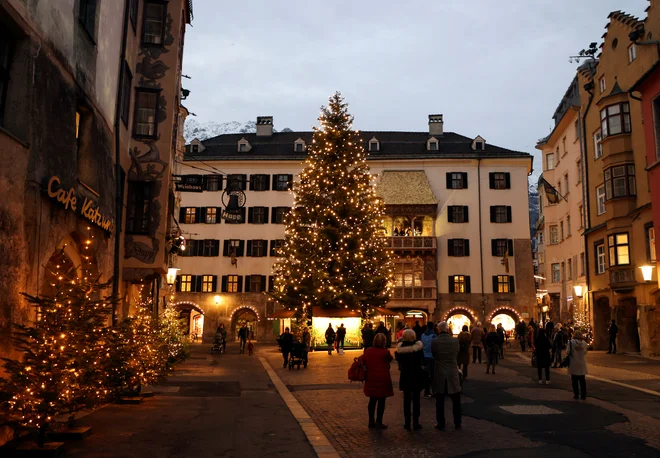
[[88, 210]]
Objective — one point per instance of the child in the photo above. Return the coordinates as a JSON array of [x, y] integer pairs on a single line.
[[250, 346]]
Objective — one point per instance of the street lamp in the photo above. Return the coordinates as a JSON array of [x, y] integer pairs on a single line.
[[171, 275], [217, 299], [578, 290], [647, 272]]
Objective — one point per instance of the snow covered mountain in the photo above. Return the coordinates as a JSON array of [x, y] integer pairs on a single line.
[[534, 209], [203, 130]]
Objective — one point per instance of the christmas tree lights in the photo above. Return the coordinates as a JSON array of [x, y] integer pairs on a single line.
[[334, 253], [581, 323]]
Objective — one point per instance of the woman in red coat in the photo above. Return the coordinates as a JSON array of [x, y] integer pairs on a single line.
[[378, 383]]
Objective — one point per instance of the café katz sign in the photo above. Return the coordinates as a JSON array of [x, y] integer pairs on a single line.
[[87, 208]]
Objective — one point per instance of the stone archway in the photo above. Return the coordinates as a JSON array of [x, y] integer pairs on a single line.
[[457, 317], [626, 319], [508, 316], [602, 317], [193, 316], [71, 260], [248, 316]]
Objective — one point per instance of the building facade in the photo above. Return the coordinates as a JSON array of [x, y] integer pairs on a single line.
[[559, 231], [457, 221]]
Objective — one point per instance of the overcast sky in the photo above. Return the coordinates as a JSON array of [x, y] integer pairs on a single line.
[[493, 68]]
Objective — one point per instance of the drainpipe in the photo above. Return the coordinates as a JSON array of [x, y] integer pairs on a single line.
[[119, 204], [481, 241], [585, 191]]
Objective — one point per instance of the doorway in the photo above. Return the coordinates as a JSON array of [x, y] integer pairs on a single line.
[[626, 319], [411, 318], [248, 318], [602, 319]]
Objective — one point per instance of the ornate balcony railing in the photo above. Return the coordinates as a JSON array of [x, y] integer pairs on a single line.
[[411, 243], [619, 276], [414, 292]]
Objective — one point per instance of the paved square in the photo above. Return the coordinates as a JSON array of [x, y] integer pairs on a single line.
[[530, 410]]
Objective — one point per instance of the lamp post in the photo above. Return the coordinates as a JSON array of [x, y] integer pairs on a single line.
[[647, 272], [171, 275]]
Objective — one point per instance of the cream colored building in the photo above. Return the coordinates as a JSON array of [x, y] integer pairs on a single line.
[[559, 231], [457, 205]]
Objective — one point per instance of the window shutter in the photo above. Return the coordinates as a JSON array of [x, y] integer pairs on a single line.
[[289, 183], [272, 215], [251, 215], [252, 177], [198, 214], [215, 250], [510, 246], [508, 214], [451, 284], [242, 216], [263, 283], [199, 248], [182, 215], [177, 286], [225, 248], [495, 284], [271, 283], [266, 182], [450, 214], [223, 284], [264, 248], [244, 179], [272, 247], [203, 215], [468, 286], [512, 284], [466, 244], [465, 214], [492, 214], [449, 180], [247, 283], [493, 247], [240, 284], [274, 185], [249, 248], [491, 180], [265, 220], [465, 183], [241, 248], [218, 214], [214, 284], [198, 283], [450, 247], [507, 176]]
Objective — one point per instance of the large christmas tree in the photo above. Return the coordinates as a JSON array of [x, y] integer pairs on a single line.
[[334, 254]]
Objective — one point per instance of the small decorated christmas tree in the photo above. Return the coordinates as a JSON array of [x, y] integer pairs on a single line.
[[581, 323], [173, 336]]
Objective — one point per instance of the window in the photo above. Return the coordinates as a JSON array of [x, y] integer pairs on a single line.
[[563, 147], [258, 215], [601, 83], [373, 145], [237, 181], [139, 205], [186, 283], [556, 273], [146, 107], [459, 284], [458, 247], [127, 87], [600, 258], [582, 264], [87, 16], [500, 247], [656, 117], [6, 42], [540, 237], [569, 269], [457, 180], [577, 129], [550, 161], [190, 215], [153, 32], [479, 146], [275, 245], [566, 188], [598, 147], [561, 230], [255, 283], [578, 169], [195, 148], [279, 214], [208, 284], [650, 242], [259, 182], [257, 248], [500, 214], [233, 246], [299, 148], [406, 275], [619, 246], [581, 215], [615, 119], [457, 214], [554, 235], [620, 181], [242, 147], [282, 182], [232, 283], [503, 284], [433, 145], [212, 182], [211, 215], [134, 12], [568, 226], [600, 199], [632, 53], [500, 180]]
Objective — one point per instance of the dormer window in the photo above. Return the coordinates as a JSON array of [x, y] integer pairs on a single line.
[[243, 146], [299, 148], [299, 145], [374, 144], [195, 148], [432, 144], [479, 146], [479, 143]]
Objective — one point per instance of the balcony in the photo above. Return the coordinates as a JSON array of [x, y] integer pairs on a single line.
[[622, 279], [410, 243], [414, 292]]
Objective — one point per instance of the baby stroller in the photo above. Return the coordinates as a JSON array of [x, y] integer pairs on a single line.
[[297, 355], [218, 344]]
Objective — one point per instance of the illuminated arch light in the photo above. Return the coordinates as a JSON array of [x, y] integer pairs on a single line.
[[197, 307], [245, 307], [459, 309], [498, 310]]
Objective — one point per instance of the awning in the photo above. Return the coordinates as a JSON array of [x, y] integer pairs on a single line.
[[381, 311], [282, 315], [335, 312]]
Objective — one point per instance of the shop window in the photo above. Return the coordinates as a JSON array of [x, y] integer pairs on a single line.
[[600, 258], [619, 246], [503, 284], [556, 273], [146, 108], [153, 32], [615, 119], [87, 16], [459, 284], [620, 182], [500, 214], [600, 199], [500, 180], [139, 206]]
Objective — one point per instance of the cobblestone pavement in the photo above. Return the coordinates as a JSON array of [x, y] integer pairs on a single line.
[[615, 422]]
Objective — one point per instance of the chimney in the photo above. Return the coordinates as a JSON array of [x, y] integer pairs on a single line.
[[435, 125], [264, 126]]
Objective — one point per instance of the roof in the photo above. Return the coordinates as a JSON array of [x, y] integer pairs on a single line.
[[405, 187], [335, 312], [393, 145], [380, 311], [282, 314]]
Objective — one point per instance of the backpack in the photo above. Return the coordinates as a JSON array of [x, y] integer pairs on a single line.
[[358, 370]]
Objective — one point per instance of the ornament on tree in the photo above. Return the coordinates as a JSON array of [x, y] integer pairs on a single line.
[[334, 253]]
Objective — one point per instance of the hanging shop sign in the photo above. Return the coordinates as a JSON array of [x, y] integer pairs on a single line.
[[87, 208], [190, 183]]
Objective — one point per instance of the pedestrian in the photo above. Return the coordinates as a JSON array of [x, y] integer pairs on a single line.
[[410, 354], [243, 334], [534, 326], [418, 330], [399, 333], [613, 331], [388, 334], [464, 341], [367, 335], [521, 334], [500, 339], [558, 345], [427, 339], [446, 381], [330, 336], [285, 341], [577, 351], [381, 329], [477, 342], [530, 336], [549, 329], [341, 336], [492, 348], [221, 337], [306, 340], [542, 347], [378, 384]]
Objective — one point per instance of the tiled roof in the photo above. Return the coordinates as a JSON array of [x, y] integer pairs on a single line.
[[405, 187], [393, 145]]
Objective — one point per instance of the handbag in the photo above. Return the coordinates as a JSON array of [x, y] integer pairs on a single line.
[[567, 359]]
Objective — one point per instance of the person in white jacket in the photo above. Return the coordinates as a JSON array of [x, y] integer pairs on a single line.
[[577, 350]]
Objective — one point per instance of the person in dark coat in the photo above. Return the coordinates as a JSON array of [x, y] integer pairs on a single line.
[[378, 384], [409, 354], [521, 333], [549, 329], [613, 331], [381, 329], [534, 326], [500, 339], [330, 337], [388, 334], [418, 330], [492, 348], [367, 335], [464, 341], [477, 342], [243, 334], [542, 347], [446, 381], [341, 335], [286, 340]]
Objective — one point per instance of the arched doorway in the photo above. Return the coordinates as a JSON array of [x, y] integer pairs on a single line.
[[458, 317], [507, 316], [411, 317], [72, 259], [602, 314], [194, 318], [247, 316], [626, 319]]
